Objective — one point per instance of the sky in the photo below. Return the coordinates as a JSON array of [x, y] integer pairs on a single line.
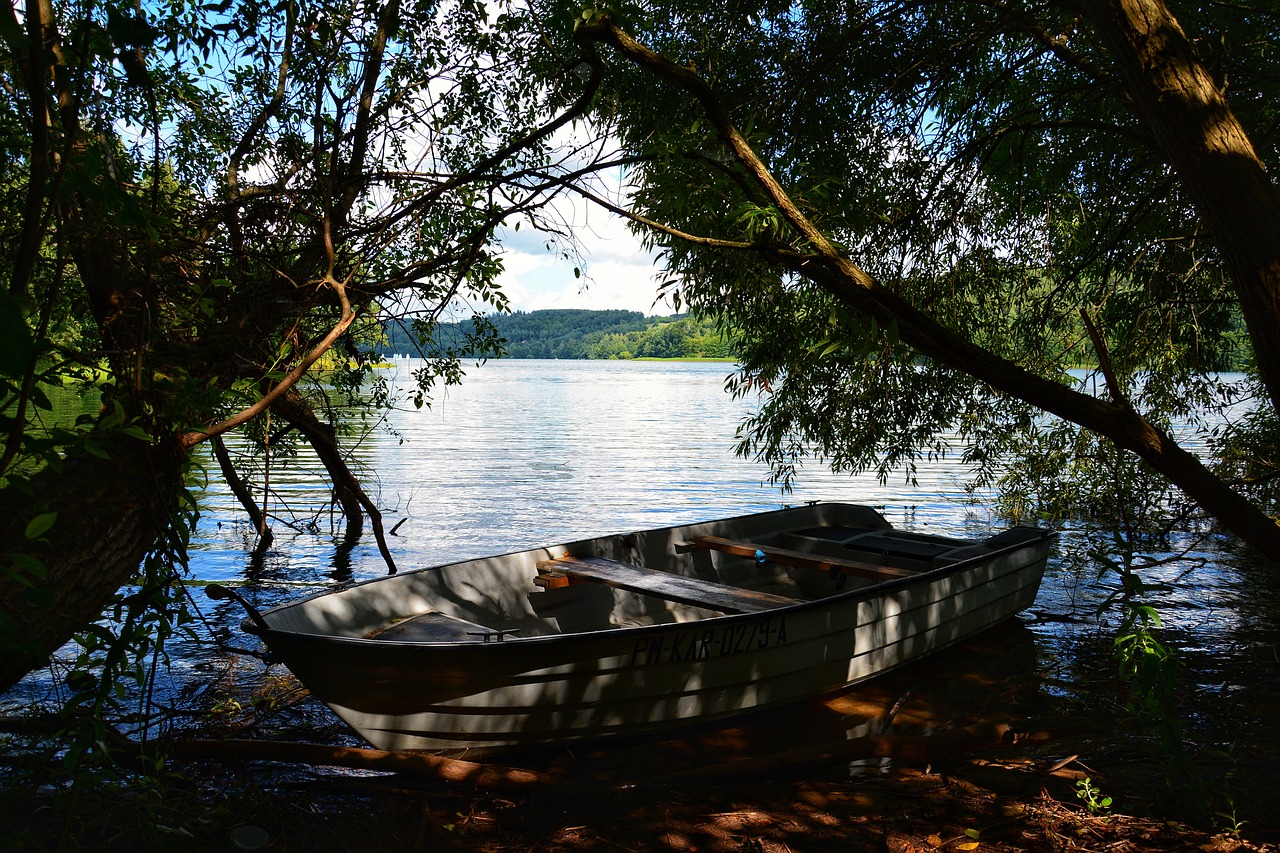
[[617, 272]]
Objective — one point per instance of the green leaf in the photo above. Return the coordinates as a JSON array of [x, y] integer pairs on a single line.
[[16, 347], [14, 36], [40, 525], [95, 449], [40, 400], [129, 31], [30, 565], [1148, 614]]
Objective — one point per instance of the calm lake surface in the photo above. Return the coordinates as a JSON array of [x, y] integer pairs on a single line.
[[526, 453]]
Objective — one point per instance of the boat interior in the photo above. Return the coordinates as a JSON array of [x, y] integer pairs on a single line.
[[750, 565]]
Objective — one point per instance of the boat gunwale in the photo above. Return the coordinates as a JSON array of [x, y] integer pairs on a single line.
[[1046, 535]]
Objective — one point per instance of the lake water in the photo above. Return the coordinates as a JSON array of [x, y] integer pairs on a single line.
[[526, 453]]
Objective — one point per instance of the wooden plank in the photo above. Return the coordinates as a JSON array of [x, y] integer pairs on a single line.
[[678, 588], [802, 559]]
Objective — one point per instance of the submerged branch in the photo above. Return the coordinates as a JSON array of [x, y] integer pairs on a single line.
[[241, 490]]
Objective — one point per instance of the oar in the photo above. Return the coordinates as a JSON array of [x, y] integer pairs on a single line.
[[218, 592]]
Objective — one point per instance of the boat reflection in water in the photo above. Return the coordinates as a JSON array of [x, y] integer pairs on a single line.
[[643, 632], [957, 701]]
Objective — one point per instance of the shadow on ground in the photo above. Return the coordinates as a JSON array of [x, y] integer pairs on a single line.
[[962, 752]]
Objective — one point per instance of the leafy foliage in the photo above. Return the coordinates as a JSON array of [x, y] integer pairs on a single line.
[[996, 229], [200, 203], [983, 164]]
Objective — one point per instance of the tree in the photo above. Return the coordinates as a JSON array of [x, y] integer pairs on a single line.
[[921, 214], [203, 201]]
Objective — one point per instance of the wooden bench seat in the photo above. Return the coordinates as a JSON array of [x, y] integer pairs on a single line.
[[801, 559], [678, 588]]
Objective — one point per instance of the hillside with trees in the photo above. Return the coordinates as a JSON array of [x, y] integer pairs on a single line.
[[582, 333]]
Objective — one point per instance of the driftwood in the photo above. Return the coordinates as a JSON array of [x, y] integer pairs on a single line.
[[416, 763], [907, 748], [420, 764]]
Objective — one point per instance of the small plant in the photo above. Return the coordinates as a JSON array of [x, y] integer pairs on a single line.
[[1229, 821], [1226, 817], [1092, 797], [1148, 668], [225, 706]]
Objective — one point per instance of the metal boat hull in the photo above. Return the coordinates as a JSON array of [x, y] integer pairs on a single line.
[[588, 661]]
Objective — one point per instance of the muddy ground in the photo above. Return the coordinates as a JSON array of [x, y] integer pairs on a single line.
[[974, 749], [1014, 801]]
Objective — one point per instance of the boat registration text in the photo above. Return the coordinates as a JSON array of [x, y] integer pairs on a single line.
[[704, 643]]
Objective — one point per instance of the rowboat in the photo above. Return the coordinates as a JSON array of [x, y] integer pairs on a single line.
[[644, 631]]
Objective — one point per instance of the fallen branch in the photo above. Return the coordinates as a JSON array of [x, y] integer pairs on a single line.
[[420, 764]]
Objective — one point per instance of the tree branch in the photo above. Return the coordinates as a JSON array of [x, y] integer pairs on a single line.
[[238, 488], [370, 74], [632, 216], [194, 437], [1104, 361], [853, 286], [269, 111]]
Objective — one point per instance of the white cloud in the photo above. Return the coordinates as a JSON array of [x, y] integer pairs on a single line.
[[630, 286], [616, 271]]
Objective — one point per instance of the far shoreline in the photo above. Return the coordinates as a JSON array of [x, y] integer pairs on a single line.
[[388, 360]]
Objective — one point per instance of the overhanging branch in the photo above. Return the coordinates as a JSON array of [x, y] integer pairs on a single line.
[[835, 273], [194, 437]]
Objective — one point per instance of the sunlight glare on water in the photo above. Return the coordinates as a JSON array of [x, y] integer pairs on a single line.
[[530, 453], [524, 453]]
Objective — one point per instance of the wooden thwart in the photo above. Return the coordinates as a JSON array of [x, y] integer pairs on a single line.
[[678, 588], [801, 559]]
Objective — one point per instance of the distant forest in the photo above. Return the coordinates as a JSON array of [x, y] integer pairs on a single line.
[[580, 333]]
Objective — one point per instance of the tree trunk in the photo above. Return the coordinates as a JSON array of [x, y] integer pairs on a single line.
[[109, 514], [1186, 111]]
